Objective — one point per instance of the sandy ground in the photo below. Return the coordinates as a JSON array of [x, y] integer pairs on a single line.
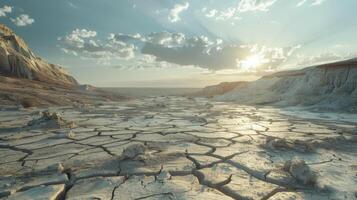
[[175, 148]]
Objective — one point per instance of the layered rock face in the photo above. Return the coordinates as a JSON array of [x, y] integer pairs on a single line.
[[331, 86], [28, 81], [17, 60]]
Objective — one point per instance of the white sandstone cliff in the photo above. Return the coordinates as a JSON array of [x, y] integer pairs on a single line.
[[331, 86]]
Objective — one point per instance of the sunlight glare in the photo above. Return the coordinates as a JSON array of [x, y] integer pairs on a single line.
[[252, 62]]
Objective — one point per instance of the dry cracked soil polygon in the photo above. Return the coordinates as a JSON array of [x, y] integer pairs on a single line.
[[174, 148]]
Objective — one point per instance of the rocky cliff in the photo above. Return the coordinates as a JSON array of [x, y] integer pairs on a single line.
[[28, 81], [331, 86], [17, 60]]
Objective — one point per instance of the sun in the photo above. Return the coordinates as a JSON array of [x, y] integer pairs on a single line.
[[252, 62]]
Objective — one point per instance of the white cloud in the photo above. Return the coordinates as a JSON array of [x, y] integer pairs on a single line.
[[317, 2], [67, 51], [166, 39], [226, 14], [4, 10], [321, 58], [255, 5], [83, 33], [242, 7], [77, 37], [174, 15], [83, 43], [158, 48], [302, 2], [311, 2], [211, 13], [23, 20], [215, 55]]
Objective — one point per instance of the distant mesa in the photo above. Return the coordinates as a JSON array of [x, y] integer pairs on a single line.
[[17, 60], [331, 86], [219, 89]]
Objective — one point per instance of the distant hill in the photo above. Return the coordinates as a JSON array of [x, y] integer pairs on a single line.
[[331, 86], [219, 89]]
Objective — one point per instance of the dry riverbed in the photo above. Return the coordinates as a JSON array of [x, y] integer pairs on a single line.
[[174, 148]]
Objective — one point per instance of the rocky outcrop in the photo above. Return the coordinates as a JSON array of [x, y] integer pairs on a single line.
[[50, 120], [28, 81], [218, 89], [17, 60], [300, 171], [331, 86]]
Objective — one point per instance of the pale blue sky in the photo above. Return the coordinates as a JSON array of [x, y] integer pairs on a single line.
[[168, 43]]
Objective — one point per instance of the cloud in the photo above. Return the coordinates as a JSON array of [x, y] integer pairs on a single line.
[[242, 7], [166, 39], [263, 58], [83, 33], [76, 39], [23, 20], [225, 14], [207, 54], [160, 49], [161, 38], [302, 2], [72, 5], [83, 43], [174, 15], [125, 37], [311, 2], [317, 2], [255, 5], [321, 58], [4, 10], [210, 13]]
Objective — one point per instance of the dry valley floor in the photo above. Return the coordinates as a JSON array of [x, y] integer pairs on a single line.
[[174, 148]]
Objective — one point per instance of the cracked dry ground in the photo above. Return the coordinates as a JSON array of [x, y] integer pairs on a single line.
[[174, 148]]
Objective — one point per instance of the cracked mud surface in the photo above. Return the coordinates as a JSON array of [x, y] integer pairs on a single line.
[[176, 148]]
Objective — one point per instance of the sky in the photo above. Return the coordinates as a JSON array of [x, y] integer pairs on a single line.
[[178, 43]]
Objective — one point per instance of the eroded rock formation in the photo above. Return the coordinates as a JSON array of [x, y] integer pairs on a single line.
[[17, 60], [331, 86]]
